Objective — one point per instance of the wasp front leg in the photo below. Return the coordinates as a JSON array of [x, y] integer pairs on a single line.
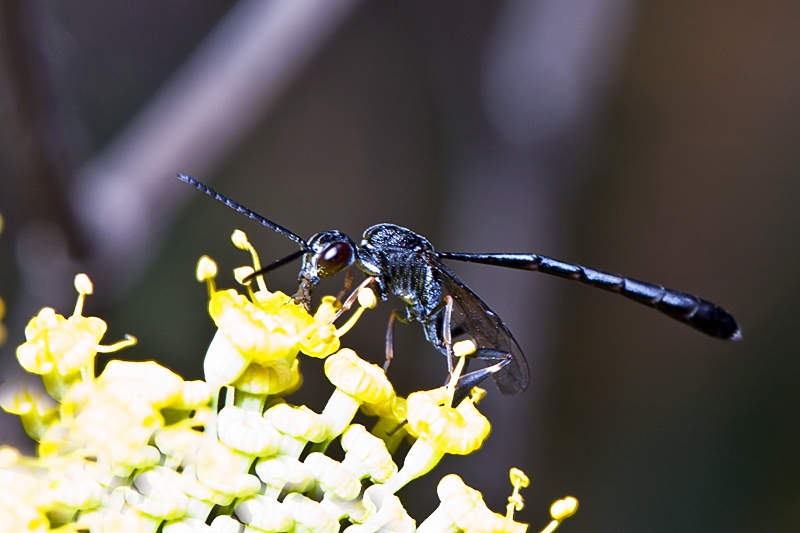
[[347, 304], [348, 284]]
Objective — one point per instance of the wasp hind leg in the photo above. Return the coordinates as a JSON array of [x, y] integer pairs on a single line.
[[472, 379]]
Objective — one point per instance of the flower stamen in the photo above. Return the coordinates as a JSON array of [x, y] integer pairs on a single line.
[[461, 349], [561, 509], [84, 286], [366, 300], [242, 275], [129, 340], [207, 271], [515, 502], [239, 239]]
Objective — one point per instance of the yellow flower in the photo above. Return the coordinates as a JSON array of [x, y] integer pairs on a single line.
[[142, 381], [139, 449], [458, 431], [333, 477], [62, 349], [323, 339], [463, 509], [366, 455], [309, 515], [356, 377], [301, 424], [257, 334], [113, 418], [315, 336], [270, 378], [72, 489], [392, 516], [392, 425], [440, 429], [264, 514], [248, 334], [36, 411], [224, 471], [247, 432], [561, 509], [193, 395], [290, 315], [267, 331], [58, 344], [23, 497], [284, 473], [357, 382]]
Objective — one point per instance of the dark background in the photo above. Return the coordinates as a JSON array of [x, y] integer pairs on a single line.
[[658, 140]]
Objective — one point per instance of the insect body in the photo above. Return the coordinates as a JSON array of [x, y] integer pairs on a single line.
[[405, 264]]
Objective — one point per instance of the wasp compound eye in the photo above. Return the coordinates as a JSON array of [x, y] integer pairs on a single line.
[[334, 258]]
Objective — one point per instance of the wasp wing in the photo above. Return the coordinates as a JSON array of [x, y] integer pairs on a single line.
[[473, 318]]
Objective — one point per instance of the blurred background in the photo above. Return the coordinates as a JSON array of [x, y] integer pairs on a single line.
[[658, 140]]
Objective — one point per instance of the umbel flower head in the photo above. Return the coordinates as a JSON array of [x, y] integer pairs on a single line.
[[136, 448]]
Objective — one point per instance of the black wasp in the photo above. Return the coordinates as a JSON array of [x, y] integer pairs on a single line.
[[398, 261]]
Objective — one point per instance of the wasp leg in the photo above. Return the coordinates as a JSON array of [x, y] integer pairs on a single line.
[[390, 337], [446, 335], [472, 379], [348, 284], [439, 333], [347, 304]]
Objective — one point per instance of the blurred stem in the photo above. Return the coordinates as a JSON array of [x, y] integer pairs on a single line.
[[37, 150]]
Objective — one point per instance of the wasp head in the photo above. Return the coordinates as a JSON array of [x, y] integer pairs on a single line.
[[328, 253]]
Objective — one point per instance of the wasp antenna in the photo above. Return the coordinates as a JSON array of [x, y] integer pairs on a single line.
[[277, 228]]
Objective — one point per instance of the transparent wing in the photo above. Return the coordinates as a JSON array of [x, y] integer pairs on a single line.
[[473, 318]]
